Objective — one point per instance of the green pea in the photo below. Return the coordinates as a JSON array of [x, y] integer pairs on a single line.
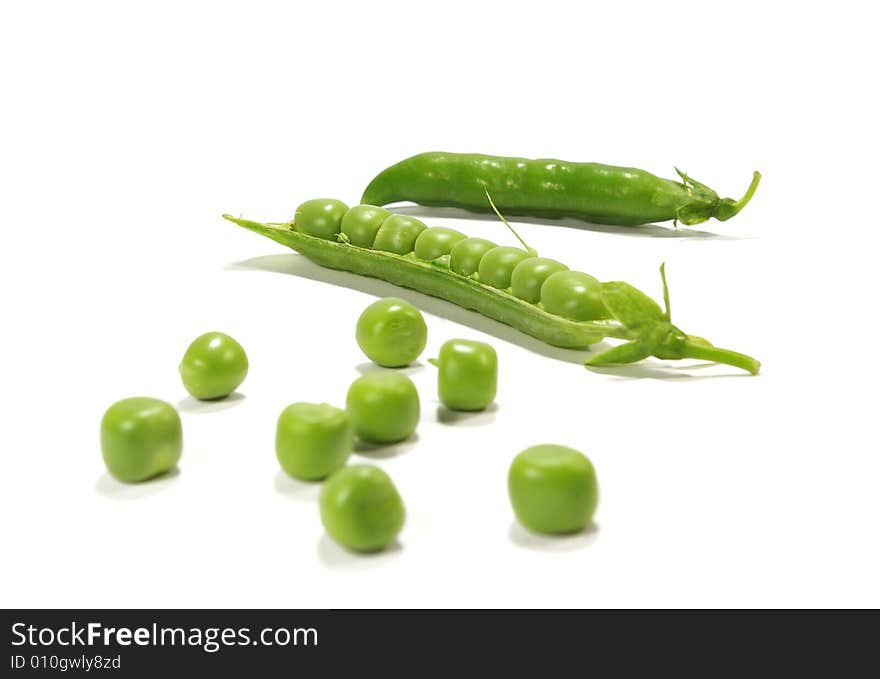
[[529, 275], [313, 440], [398, 234], [553, 489], [465, 256], [320, 217], [467, 374], [498, 264], [361, 508], [384, 407], [213, 366], [436, 241], [141, 438], [573, 295], [361, 224], [392, 332]]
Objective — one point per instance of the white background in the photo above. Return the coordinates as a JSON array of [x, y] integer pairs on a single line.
[[128, 128]]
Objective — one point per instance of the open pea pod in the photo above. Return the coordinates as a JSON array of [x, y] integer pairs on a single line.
[[632, 307]]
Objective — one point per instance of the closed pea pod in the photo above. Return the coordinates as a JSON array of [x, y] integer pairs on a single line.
[[529, 275], [435, 242], [398, 234]]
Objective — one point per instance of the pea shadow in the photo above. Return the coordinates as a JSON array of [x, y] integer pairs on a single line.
[[293, 489], [369, 367], [473, 418], [297, 265], [384, 451], [194, 405], [334, 556], [526, 539], [114, 489], [644, 231]]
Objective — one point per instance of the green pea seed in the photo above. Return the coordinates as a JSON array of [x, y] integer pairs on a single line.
[[467, 374], [313, 440], [498, 264], [529, 275], [465, 256], [384, 407], [320, 217], [141, 438], [573, 295], [213, 366], [398, 234], [361, 508], [436, 241], [361, 224], [392, 332], [553, 489]]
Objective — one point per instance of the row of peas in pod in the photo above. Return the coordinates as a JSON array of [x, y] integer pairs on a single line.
[[538, 280], [552, 488]]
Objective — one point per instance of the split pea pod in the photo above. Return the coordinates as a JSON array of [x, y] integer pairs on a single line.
[[538, 296], [546, 187]]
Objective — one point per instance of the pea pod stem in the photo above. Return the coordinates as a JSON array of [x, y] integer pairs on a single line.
[[727, 208], [719, 355], [438, 281]]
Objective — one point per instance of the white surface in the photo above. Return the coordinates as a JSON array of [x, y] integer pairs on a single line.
[[127, 132]]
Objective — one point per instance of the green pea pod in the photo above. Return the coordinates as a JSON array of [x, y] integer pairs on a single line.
[[632, 307], [547, 187], [629, 352]]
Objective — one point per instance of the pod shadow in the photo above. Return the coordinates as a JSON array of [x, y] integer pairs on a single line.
[[644, 231], [296, 265], [664, 371], [525, 539], [111, 488], [334, 556]]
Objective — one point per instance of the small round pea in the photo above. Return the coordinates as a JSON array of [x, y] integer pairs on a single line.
[[398, 234], [213, 366], [320, 217], [553, 489], [361, 508], [141, 438], [361, 224], [465, 256], [313, 440], [574, 295], [384, 407], [391, 332], [529, 275], [467, 374], [436, 241], [497, 265]]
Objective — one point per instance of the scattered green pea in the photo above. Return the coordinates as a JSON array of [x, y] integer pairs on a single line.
[[384, 407], [141, 438], [553, 489], [467, 374], [361, 508], [213, 366], [392, 332], [313, 440]]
